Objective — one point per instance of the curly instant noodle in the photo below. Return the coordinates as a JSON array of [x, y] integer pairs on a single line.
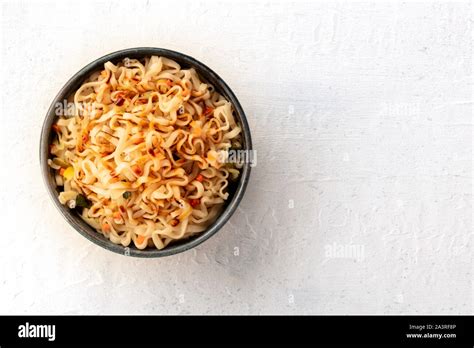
[[140, 154]]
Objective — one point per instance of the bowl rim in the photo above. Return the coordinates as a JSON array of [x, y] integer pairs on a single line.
[[81, 226]]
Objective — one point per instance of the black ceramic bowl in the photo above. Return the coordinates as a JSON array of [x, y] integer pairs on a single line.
[[235, 193]]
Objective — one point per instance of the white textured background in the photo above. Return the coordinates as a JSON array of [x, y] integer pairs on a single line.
[[361, 114]]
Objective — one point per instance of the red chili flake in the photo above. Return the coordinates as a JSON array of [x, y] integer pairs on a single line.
[[151, 152], [200, 178], [85, 137], [194, 202], [119, 101], [137, 170], [174, 222], [208, 111]]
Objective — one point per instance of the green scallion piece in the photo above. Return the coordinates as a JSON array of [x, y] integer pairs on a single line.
[[82, 201]]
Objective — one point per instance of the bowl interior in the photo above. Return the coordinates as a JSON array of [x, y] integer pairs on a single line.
[[236, 189]]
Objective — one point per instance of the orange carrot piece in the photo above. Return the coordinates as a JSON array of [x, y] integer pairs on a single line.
[[106, 227]]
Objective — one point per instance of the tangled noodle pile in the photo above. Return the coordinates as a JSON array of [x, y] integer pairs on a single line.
[[140, 154]]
